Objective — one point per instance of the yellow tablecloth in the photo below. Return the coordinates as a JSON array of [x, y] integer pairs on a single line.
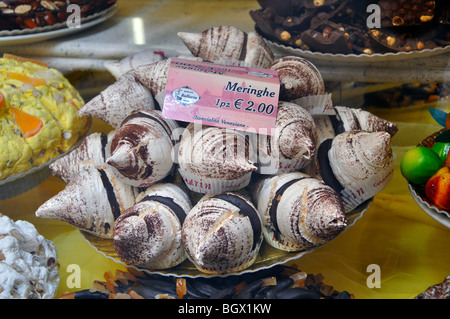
[[410, 248]]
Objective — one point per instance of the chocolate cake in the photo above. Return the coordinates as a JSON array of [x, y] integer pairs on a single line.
[[30, 14], [348, 26]]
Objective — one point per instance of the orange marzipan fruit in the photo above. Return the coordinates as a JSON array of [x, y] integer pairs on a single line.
[[26, 79], [29, 124]]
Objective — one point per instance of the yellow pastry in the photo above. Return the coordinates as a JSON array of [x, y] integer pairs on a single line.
[[38, 114]]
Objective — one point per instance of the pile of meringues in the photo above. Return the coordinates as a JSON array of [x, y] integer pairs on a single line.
[[124, 186]]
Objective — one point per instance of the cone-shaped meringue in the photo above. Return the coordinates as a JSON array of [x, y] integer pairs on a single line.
[[298, 211], [148, 234], [214, 159], [222, 233], [118, 100], [350, 119], [360, 120], [91, 149], [257, 54], [347, 119], [92, 201], [294, 144], [229, 45], [141, 149], [154, 77], [298, 78], [358, 165], [131, 62]]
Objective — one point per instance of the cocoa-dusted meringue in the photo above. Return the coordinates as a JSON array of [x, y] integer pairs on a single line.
[[29, 267], [91, 202], [154, 77], [298, 78], [222, 233], [298, 211], [358, 165], [119, 99], [148, 234], [360, 120], [120, 67], [140, 153], [294, 144], [213, 159], [92, 149], [351, 119], [230, 45], [347, 119]]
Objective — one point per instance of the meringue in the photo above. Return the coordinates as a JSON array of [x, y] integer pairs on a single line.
[[141, 150], [148, 234], [298, 211], [222, 233]]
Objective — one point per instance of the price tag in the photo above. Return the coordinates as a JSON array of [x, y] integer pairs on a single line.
[[227, 96]]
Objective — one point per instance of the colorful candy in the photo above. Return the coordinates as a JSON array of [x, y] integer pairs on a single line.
[[437, 188], [419, 164], [429, 167]]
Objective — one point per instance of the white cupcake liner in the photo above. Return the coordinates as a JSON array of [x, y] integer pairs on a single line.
[[317, 104], [354, 196], [204, 185]]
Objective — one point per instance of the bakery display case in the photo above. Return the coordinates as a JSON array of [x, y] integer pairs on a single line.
[[120, 200]]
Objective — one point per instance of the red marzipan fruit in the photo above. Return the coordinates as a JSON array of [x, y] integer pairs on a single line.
[[437, 188]]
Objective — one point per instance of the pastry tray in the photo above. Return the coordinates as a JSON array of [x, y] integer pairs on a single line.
[[14, 37], [268, 256], [17, 184], [363, 58]]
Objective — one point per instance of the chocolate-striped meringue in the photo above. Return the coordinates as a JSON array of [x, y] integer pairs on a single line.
[[148, 234], [294, 144], [358, 165], [140, 152], [213, 159], [92, 149], [92, 201], [298, 78], [222, 233], [349, 119], [119, 99], [229, 45], [298, 211]]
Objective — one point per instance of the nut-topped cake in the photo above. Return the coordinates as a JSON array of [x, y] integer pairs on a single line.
[[354, 27]]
